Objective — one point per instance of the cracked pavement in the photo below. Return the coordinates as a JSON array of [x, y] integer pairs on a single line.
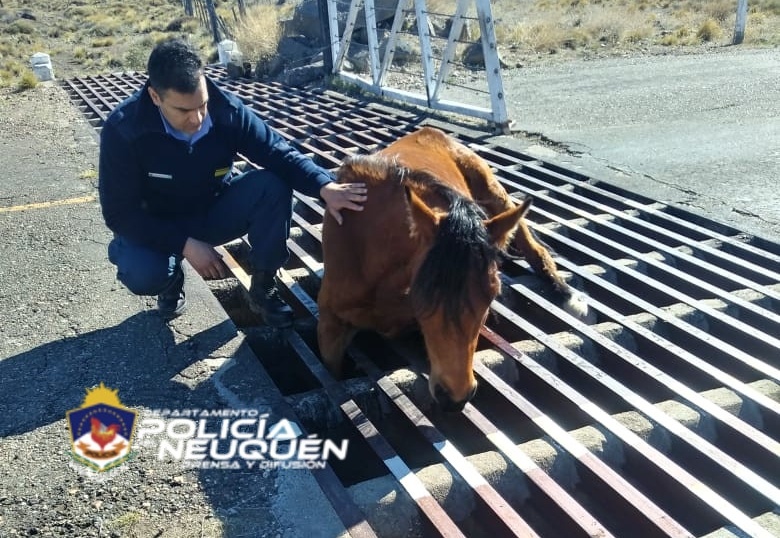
[[699, 130]]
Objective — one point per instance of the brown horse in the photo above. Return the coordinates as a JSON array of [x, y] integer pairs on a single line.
[[423, 253]]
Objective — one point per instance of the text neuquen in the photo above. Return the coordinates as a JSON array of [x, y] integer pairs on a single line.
[[202, 436]]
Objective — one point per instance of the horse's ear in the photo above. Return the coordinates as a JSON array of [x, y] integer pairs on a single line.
[[501, 227], [423, 220]]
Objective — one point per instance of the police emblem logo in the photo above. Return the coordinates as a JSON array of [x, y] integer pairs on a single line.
[[101, 430]]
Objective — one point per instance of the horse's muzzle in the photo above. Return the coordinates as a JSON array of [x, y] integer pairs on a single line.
[[445, 401]]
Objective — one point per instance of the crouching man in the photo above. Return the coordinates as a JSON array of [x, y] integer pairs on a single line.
[[168, 190]]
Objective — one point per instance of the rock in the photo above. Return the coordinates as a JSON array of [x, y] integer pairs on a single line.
[[268, 67], [292, 52], [300, 76], [306, 18], [474, 57], [235, 70]]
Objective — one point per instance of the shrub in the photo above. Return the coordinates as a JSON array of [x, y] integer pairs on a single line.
[[113, 63], [103, 42], [28, 80], [720, 10], [136, 57], [20, 26], [258, 34], [709, 30]]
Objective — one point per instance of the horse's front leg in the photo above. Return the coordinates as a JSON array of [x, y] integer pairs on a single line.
[[537, 256], [333, 336], [541, 261]]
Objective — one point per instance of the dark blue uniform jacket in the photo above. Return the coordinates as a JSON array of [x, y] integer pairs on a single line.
[[151, 183]]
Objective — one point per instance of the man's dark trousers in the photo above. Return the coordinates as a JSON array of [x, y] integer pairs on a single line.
[[257, 203]]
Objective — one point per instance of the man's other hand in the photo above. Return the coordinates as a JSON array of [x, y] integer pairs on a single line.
[[204, 259]]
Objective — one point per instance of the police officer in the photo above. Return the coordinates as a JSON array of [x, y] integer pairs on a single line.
[[169, 191]]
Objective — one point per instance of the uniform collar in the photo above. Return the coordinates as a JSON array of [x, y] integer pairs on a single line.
[[205, 127]]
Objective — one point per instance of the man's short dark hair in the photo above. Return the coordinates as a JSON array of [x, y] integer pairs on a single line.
[[174, 64]]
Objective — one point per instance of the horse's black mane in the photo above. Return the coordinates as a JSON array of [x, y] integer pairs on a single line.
[[461, 254]]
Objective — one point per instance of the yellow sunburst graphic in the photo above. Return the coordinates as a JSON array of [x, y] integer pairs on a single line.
[[102, 395]]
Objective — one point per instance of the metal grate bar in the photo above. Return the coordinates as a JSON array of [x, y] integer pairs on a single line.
[[597, 220], [539, 171], [726, 463], [405, 477], [639, 280], [661, 463], [512, 523]]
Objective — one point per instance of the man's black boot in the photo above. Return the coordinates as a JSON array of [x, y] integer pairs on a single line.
[[264, 300], [171, 303]]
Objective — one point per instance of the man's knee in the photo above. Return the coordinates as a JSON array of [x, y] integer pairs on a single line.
[[143, 282], [266, 186], [141, 271]]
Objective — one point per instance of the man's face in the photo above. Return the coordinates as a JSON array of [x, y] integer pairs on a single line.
[[184, 111]]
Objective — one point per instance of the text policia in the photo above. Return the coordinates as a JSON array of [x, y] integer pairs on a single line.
[[234, 439]]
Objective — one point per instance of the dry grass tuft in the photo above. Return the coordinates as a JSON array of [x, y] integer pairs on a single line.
[[550, 26], [28, 80], [258, 34], [710, 30]]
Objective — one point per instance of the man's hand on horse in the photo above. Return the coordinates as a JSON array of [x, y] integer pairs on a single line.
[[340, 196], [204, 259]]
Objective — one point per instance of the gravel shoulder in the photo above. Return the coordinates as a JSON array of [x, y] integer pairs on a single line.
[[60, 336]]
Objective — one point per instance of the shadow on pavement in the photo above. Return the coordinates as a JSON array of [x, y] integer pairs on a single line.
[[140, 357]]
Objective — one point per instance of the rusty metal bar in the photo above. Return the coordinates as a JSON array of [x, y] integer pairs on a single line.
[[546, 177], [712, 271], [350, 515], [428, 506], [768, 408], [662, 464], [638, 278], [511, 521], [658, 375], [569, 507], [726, 463]]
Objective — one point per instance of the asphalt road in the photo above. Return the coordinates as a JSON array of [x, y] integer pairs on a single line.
[[702, 131]]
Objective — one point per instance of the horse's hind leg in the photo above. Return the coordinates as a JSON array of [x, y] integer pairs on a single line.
[[538, 257], [333, 336]]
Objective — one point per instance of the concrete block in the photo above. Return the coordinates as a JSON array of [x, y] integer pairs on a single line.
[[228, 52], [41, 66]]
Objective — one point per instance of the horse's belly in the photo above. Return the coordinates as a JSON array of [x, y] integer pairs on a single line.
[[389, 320]]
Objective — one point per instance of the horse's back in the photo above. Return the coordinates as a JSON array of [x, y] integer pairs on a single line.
[[369, 259], [432, 151]]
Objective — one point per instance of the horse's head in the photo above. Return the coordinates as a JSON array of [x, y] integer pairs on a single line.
[[456, 279]]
